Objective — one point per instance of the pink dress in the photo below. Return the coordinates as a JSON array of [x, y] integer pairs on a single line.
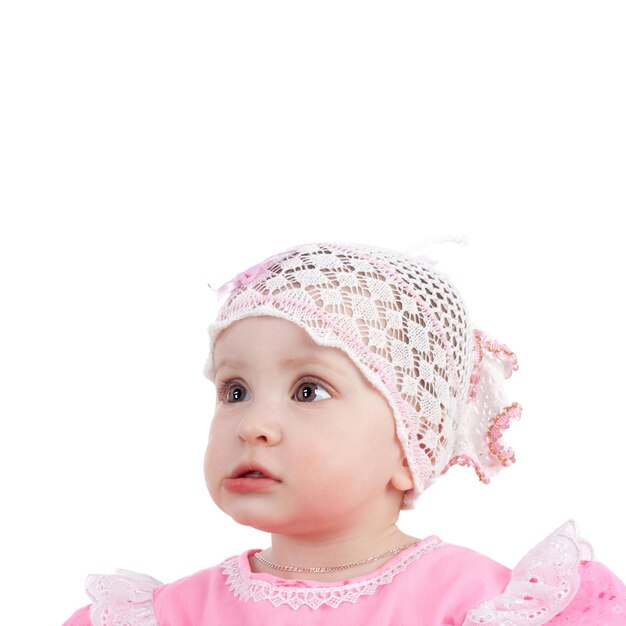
[[432, 583]]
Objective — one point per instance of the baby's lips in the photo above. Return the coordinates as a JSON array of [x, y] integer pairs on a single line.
[[244, 468]]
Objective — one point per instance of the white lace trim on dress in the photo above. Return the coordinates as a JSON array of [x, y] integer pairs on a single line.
[[542, 584], [122, 599], [314, 597]]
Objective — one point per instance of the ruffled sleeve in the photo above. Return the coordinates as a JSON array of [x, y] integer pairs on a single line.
[[556, 583], [121, 598]]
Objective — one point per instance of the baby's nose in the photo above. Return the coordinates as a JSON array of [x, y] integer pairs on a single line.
[[257, 425]]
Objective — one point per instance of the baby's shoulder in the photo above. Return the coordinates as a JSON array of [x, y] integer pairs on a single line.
[[455, 561], [459, 578]]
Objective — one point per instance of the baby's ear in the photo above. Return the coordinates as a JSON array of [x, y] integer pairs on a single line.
[[401, 478]]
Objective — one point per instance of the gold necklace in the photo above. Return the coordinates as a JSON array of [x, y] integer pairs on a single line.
[[321, 570]]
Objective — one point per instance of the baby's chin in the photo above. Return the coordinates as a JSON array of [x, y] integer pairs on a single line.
[[258, 522], [270, 520]]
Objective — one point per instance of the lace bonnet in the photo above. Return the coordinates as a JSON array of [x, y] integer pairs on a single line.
[[407, 330]]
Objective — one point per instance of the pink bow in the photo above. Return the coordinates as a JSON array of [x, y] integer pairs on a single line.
[[243, 278]]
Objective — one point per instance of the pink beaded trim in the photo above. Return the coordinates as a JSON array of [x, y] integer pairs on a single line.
[[497, 425], [497, 451], [481, 343], [463, 459]]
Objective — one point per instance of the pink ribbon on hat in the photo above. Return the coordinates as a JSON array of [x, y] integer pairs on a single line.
[[245, 277]]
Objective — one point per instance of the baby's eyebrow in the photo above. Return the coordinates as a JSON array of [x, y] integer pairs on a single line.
[[284, 363]]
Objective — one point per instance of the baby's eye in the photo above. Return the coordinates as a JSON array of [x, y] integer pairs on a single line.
[[231, 392], [308, 391]]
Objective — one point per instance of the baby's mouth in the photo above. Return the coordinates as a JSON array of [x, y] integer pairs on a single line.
[[253, 475], [252, 470], [246, 479]]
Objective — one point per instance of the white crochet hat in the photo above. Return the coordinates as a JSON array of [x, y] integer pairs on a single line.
[[406, 328]]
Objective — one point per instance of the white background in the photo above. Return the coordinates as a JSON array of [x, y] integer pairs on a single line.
[[150, 148]]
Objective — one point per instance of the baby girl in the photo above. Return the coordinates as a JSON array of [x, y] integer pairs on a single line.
[[349, 378]]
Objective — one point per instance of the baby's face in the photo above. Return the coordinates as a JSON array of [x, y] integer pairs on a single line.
[[317, 426]]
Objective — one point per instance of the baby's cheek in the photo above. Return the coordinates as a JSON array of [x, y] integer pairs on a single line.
[[213, 465], [206, 466]]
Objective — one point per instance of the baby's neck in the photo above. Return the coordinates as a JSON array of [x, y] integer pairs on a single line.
[[296, 552]]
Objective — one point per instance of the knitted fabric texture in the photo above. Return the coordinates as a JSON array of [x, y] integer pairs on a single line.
[[407, 330]]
